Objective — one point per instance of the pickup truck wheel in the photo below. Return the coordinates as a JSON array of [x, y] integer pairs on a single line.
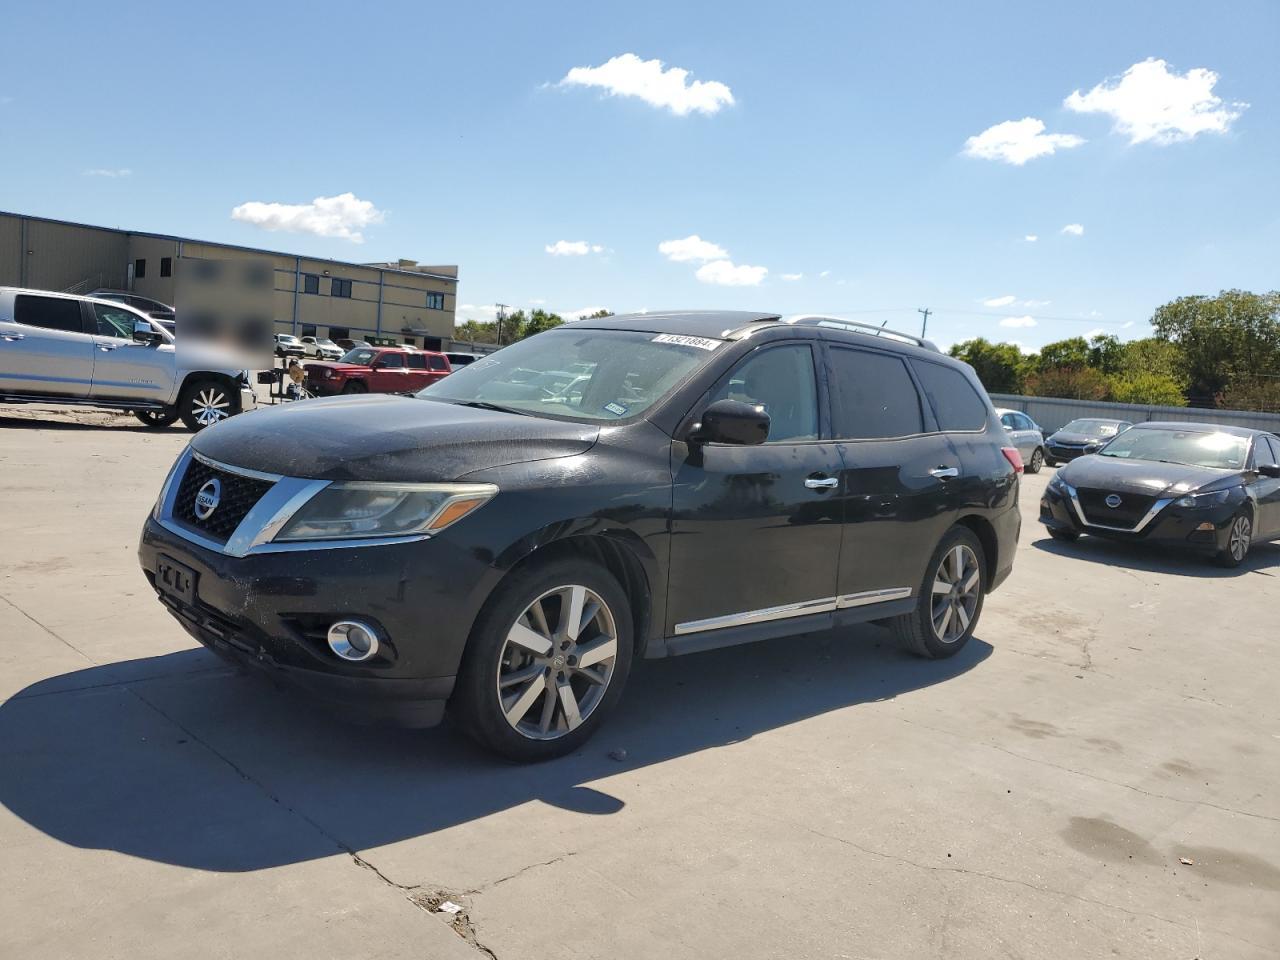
[[546, 661], [355, 386], [205, 402], [949, 601], [157, 418]]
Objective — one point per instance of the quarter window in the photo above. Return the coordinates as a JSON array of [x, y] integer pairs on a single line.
[[51, 313], [437, 363], [874, 396], [782, 380], [957, 405]]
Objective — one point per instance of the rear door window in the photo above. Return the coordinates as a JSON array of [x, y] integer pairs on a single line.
[[50, 313], [392, 361], [956, 404], [416, 361], [873, 396]]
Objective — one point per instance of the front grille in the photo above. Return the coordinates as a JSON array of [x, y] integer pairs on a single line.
[[1133, 507], [1065, 452], [237, 497]]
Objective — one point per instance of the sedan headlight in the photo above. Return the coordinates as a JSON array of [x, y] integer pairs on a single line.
[[356, 509], [1058, 485], [1196, 500]]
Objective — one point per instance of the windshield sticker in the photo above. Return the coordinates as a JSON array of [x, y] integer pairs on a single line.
[[702, 343], [617, 409]]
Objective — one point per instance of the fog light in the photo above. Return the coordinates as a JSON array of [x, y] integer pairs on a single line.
[[353, 640], [1206, 526]]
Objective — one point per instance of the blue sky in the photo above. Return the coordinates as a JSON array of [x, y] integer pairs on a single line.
[[841, 157]]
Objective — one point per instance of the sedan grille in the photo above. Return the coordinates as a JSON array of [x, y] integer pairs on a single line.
[[237, 497], [1126, 515]]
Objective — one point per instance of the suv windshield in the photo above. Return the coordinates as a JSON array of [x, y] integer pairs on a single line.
[[582, 374], [360, 355], [1092, 428], [1223, 451]]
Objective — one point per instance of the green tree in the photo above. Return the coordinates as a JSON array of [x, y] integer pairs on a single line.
[[539, 321], [1153, 355], [1106, 353], [1071, 383], [1228, 339], [1153, 388], [1000, 366], [1072, 353], [476, 331]]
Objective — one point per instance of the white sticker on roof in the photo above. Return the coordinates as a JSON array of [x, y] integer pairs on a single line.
[[702, 343]]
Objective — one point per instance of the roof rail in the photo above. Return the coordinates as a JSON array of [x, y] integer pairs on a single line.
[[857, 326]]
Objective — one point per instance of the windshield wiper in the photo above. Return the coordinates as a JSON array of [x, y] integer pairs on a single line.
[[486, 405]]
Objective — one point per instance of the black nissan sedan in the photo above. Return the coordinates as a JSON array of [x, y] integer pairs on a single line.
[[1210, 488], [1080, 438], [505, 549]]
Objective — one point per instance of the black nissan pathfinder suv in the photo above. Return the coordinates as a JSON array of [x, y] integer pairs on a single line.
[[505, 549]]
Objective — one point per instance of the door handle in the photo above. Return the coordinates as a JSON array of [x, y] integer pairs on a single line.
[[944, 473], [12, 336], [106, 347], [822, 483]]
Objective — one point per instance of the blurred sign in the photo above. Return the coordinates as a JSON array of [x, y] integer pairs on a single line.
[[228, 304]]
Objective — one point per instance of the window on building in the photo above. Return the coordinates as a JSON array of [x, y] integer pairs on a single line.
[[339, 333], [51, 313], [435, 301], [166, 266], [139, 269], [874, 398], [308, 330], [310, 283], [340, 288], [955, 402]]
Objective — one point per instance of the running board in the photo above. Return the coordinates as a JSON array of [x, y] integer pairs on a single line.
[[82, 402]]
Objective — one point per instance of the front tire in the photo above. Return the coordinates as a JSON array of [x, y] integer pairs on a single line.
[[355, 386], [1239, 539], [1036, 461], [157, 419], [546, 661], [206, 402], [949, 601]]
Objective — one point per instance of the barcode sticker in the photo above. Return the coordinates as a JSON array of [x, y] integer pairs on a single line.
[[702, 343]]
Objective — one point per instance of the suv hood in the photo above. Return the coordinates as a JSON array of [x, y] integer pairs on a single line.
[[1148, 477], [388, 438], [320, 364]]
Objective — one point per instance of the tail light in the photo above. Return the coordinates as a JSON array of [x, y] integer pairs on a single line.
[[1014, 457]]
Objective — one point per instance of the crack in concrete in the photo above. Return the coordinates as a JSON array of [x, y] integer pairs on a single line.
[[524, 870], [53, 633], [998, 878]]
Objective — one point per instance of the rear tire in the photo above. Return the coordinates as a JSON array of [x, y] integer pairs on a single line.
[[1036, 461], [529, 704], [1239, 539], [157, 419], [931, 629], [1066, 536], [206, 402]]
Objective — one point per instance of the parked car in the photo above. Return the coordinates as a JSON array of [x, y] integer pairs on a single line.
[[101, 353], [724, 477], [321, 347], [346, 343], [377, 370], [457, 360], [287, 345], [1026, 436], [1081, 437], [155, 309], [1208, 488]]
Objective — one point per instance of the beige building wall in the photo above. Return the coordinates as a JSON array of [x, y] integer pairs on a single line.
[[62, 256]]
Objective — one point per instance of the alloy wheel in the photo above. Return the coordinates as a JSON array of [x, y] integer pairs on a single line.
[[1037, 461], [957, 587], [209, 405], [557, 662], [1239, 537]]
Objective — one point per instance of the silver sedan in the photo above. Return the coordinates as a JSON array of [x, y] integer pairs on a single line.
[[1026, 435]]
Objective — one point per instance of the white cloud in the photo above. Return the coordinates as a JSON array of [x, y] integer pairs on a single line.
[[1126, 325], [341, 216], [1034, 303], [1073, 230], [999, 301], [1017, 141], [1150, 102], [1018, 322], [629, 76], [1095, 332], [792, 276], [572, 248], [1030, 238], [692, 248], [537, 301], [725, 273], [824, 274], [103, 172], [580, 313]]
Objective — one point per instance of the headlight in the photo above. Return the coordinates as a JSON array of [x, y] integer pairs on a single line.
[[356, 509], [1058, 485], [329, 372], [1195, 500]]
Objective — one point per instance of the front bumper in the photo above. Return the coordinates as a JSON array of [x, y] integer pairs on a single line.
[[248, 398], [1063, 454], [1200, 529], [269, 612]]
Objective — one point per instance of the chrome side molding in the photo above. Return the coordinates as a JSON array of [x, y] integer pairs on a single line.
[[800, 609]]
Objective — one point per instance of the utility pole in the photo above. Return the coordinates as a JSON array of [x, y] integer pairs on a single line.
[[924, 324], [502, 315]]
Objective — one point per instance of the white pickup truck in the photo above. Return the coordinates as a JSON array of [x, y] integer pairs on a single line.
[[58, 348]]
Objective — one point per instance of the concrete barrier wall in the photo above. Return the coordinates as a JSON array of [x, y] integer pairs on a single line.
[[1052, 413]]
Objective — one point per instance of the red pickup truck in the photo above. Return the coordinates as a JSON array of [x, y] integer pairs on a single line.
[[377, 370]]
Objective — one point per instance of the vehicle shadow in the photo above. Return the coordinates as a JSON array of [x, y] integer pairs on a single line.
[[1263, 558], [85, 759], [50, 422]]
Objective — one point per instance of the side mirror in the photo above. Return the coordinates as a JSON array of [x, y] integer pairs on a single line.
[[732, 421], [1270, 470], [143, 332]]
